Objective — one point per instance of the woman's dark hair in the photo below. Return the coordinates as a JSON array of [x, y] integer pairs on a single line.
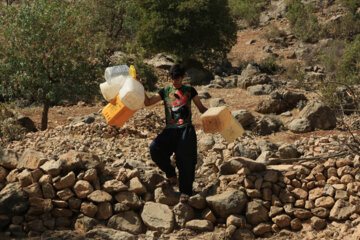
[[177, 70]]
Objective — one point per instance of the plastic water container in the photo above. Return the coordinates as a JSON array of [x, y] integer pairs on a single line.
[[132, 94], [111, 88], [215, 119], [115, 71], [232, 131], [116, 113], [219, 119]]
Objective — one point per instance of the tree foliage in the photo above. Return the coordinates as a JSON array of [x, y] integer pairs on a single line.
[[47, 54], [302, 21], [349, 69], [248, 10], [187, 28], [113, 20]]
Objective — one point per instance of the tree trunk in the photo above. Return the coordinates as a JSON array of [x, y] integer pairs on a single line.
[[44, 118]]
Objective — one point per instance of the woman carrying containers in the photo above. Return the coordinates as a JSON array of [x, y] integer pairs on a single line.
[[179, 135]]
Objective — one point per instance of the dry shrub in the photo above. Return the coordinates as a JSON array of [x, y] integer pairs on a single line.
[[9, 129]]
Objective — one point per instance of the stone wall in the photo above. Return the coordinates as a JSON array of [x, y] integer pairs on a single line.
[[76, 192]]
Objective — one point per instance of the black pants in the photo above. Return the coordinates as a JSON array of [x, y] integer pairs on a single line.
[[182, 142]]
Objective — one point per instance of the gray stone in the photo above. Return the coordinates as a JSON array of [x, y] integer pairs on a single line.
[[288, 151], [31, 159], [319, 115], [183, 213], [127, 221], [227, 203], [109, 234], [244, 117], [200, 225], [341, 210], [8, 158], [217, 102], [158, 217], [262, 89], [299, 125], [233, 165], [166, 195], [256, 213], [13, 200]]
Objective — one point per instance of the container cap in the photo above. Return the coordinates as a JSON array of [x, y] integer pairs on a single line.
[[132, 72]]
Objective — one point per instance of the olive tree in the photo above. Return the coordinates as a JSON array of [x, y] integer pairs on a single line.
[[187, 28], [113, 20], [47, 54]]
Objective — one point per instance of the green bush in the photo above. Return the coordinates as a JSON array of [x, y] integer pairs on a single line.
[[303, 22], [330, 56], [269, 65], [273, 32], [346, 28], [198, 29], [349, 68], [347, 72], [295, 71], [352, 5], [248, 10]]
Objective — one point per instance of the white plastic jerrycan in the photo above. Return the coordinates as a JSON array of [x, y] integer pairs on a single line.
[[132, 92], [115, 71], [115, 78]]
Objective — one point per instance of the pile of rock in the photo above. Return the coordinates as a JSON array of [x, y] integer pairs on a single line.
[[77, 191]]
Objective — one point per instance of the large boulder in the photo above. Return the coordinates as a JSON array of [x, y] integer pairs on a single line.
[[267, 125], [244, 117], [319, 115], [244, 151], [256, 213], [73, 161], [26, 123], [13, 200], [8, 158], [31, 159], [342, 210], [196, 74], [183, 213], [260, 89], [128, 221], [301, 125], [280, 101], [254, 80], [158, 217], [161, 60], [229, 202]]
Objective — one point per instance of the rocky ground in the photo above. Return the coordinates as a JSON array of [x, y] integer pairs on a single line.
[[100, 181]]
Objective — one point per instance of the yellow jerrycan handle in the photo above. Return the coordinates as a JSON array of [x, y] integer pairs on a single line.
[[132, 71]]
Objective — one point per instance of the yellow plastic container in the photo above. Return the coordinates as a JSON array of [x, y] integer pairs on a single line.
[[215, 119], [232, 131], [219, 119], [116, 113]]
